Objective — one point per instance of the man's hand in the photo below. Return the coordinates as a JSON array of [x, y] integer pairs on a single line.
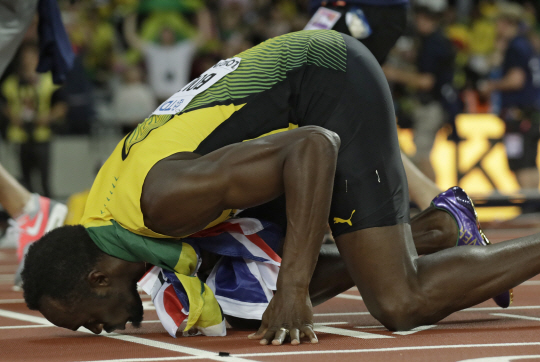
[[289, 314]]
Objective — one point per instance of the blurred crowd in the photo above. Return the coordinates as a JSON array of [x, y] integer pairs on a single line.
[[133, 54]]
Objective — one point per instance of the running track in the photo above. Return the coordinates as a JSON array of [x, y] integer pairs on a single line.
[[346, 332]]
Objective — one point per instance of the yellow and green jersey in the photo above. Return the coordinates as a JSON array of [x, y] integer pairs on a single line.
[[258, 98]]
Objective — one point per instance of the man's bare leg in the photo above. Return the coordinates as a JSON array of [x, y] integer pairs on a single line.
[[433, 230], [13, 196], [404, 291]]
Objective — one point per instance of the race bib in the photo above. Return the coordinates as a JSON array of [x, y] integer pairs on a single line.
[[178, 101], [323, 19]]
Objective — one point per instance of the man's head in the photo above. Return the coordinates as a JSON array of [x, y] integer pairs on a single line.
[[28, 58], [426, 20], [509, 17], [73, 283], [167, 36]]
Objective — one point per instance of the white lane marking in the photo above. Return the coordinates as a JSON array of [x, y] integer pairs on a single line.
[[10, 301], [516, 316], [373, 350], [151, 359], [414, 330], [194, 352], [500, 358], [25, 317], [478, 309], [150, 322], [148, 305], [383, 328], [531, 282], [24, 327], [349, 296], [390, 349], [330, 323], [349, 333], [147, 322]]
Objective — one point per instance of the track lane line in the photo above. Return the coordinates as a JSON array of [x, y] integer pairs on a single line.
[[27, 326], [10, 301], [516, 316], [349, 333], [477, 309], [194, 352], [370, 350], [415, 330], [349, 296], [390, 349]]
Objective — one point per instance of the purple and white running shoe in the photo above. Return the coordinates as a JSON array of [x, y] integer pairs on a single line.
[[457, 203]]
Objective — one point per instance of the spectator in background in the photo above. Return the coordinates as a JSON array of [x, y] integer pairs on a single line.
[[33, 103], [169, 61], [133, 101], [519, 90], [432, 82], [376, 23]]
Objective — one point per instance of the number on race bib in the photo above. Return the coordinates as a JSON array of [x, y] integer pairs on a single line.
[[178, 101]]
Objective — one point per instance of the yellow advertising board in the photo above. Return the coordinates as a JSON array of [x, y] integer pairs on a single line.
[[478, 164]]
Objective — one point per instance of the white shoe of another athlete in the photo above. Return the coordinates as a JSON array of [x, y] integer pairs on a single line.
[[44, 215]]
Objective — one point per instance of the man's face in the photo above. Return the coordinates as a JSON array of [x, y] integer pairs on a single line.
[[505, 28], [96, 313], [424, 25]]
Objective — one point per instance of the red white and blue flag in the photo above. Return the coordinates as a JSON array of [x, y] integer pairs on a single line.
[[242, 282]]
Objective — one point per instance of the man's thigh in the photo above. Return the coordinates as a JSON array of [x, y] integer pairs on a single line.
[[370, 186]]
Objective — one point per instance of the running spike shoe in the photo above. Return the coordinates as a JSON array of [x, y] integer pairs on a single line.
[[47, 214], [457, 203]]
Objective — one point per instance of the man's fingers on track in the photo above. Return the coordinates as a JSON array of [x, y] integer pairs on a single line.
[[279, 337], [268, 336], [259, 334], [308, 330], [295, 336]]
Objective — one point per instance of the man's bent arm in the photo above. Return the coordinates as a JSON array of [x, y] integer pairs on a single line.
[[181, 196]]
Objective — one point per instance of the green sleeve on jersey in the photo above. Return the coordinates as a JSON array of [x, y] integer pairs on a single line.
[[116, 241], [266, 64]]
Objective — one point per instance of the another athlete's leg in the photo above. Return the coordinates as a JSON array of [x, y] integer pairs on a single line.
[[421, 189], [13, 195], [403, 291]]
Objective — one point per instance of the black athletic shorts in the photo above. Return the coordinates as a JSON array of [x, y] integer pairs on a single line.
[[370, 187], [387, 24]]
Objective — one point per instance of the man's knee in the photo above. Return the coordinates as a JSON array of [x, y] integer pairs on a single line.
[[398, 312]]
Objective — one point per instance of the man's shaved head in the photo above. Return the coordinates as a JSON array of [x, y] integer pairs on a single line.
[[73, 283]]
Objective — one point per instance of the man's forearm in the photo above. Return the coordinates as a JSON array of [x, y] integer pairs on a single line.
[[308, 181]]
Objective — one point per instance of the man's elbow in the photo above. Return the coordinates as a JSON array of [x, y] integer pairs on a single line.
[[329, 138]]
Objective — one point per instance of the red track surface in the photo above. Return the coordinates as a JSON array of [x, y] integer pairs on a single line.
[[346, 333]]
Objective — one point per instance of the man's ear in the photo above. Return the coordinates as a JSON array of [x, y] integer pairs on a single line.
[[98, 279]]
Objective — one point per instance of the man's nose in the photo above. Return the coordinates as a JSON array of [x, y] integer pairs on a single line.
[[95, 328]]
